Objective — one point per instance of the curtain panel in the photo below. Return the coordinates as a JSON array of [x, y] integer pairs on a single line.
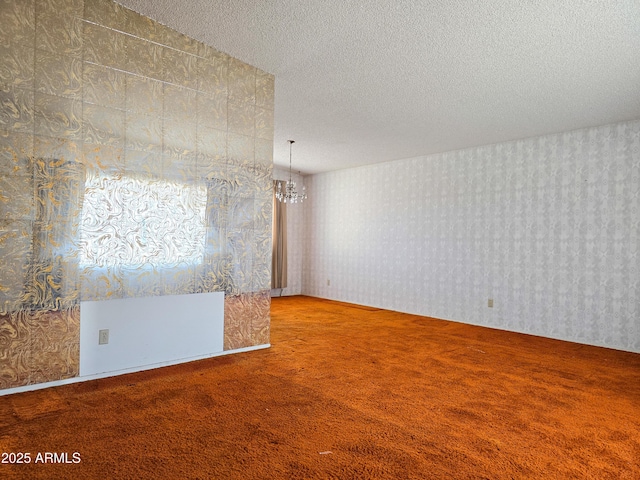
[[279, 254]]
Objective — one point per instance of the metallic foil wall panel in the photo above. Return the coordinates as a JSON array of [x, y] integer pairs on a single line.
[[104, 46], [264, 90], [246, 319], [242, 82], [17, 65], [237, 330], [57, 116], [110, 123], [39, 346], [261, 322], [54, 347], [213, 67], [242, 118], [14, 350], [18, 20], [17, 114], [103, 86], [59, 31]]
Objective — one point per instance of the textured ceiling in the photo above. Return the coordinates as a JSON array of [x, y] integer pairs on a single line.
[[360, 82]]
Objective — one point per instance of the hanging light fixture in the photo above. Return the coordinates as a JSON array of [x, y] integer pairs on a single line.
[[290, 194]]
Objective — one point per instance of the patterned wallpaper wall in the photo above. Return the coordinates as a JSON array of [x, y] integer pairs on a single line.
[[548, 227], [134, 161], [295, 221]]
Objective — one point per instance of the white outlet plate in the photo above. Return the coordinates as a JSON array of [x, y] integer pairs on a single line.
[[103, 337]]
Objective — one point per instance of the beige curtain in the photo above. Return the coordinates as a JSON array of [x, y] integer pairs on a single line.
[[279, 253]]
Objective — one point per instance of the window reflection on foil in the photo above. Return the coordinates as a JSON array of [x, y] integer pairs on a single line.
[[136, 222]]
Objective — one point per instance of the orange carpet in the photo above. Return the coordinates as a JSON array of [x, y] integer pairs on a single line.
[[345, 392]]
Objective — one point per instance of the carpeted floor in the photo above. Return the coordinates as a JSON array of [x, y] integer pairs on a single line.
[[346, 392]]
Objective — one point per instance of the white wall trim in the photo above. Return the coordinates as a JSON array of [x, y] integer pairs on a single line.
[[67, 381]]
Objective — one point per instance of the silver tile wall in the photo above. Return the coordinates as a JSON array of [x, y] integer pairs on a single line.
[[134, 161]]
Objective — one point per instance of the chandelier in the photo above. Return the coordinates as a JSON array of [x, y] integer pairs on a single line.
[[290, 194]]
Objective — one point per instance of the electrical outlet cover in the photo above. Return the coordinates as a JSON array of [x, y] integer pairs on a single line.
[[103, 337]]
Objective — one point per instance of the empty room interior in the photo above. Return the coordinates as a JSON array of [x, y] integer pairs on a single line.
[[339, 239]]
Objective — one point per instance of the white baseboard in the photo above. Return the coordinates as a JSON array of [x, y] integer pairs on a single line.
[[67, 381]]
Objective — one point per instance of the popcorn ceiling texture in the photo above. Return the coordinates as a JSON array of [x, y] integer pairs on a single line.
[[362, 82], [93, 93]]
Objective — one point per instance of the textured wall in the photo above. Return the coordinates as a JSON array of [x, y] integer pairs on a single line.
[[548, 227], [295, 223], [134, 161]]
